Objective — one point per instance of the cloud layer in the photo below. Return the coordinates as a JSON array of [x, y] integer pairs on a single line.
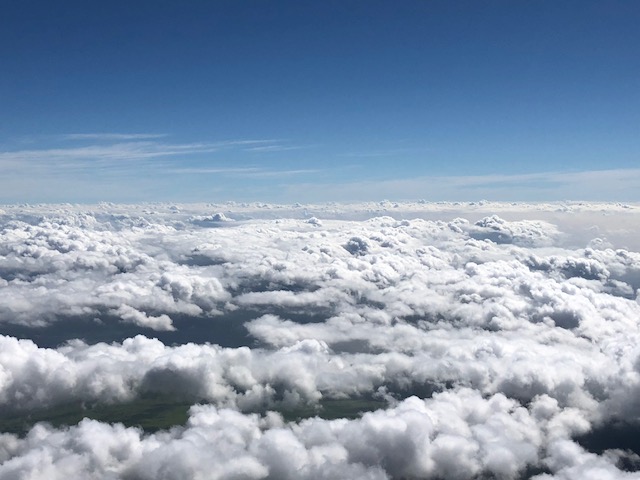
[[497, 335]]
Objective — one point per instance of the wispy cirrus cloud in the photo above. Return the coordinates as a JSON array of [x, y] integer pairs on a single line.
[[210, 171], [114, 151], [253, 172], [280, 173], [115, 147], [397, 152], [114, 136], [277, 148], [111, 136], [135, 166]]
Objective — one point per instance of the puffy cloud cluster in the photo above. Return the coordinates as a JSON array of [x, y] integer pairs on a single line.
[[456, 435], [496, 342]]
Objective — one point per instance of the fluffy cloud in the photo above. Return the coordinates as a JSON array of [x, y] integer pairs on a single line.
[[497, 333], [457, 434]]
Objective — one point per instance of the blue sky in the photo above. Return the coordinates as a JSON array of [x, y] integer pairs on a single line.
[[319, 101]]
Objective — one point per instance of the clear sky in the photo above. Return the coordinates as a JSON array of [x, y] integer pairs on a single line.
[[289, 101]]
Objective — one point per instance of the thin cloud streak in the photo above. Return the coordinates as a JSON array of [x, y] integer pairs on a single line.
[[382, 153], [130, 150], [243, 172], [213, 170], [117, 151], [277, 173], [278, 148], [111, 136]]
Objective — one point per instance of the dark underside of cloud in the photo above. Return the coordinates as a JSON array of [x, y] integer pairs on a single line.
[[411, 341]]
